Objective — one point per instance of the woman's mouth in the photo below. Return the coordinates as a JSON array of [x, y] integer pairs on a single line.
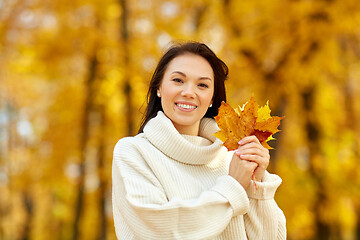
[[185, 107]]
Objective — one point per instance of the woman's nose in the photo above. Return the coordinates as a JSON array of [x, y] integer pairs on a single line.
[[188, 91]]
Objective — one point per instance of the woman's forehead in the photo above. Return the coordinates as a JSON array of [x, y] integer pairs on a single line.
[[190, 64]]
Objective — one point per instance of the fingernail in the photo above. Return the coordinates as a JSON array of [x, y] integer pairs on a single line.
[[237, 152], [240, 142]]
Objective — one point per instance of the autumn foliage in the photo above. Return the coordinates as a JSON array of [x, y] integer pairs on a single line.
[[74, 74], [248, 120]]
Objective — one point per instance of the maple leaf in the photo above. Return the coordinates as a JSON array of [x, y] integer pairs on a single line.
[[228, 121], [248, 120]]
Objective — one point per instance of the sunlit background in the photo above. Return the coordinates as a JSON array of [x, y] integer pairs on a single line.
[[74, 76]]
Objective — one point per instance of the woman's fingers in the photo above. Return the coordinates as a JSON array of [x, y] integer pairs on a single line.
[[252, 158], [252, 152], [254, 155], [248, 139], [249, 145], [250, 149]]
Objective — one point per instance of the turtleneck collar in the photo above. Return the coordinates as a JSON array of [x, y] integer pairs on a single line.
[[161, 132]]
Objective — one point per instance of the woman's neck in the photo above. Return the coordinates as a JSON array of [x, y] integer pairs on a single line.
[[192, 130]]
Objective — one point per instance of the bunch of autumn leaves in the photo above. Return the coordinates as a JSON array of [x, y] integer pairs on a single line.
[[248, 120], [235, 124]]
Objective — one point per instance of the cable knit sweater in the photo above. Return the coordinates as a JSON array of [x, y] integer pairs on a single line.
[[172, 186]]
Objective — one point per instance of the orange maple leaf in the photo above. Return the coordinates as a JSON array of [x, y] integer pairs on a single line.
[[249, 120]]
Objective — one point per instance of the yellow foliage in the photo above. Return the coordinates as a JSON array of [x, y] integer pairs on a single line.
[[70, 72]]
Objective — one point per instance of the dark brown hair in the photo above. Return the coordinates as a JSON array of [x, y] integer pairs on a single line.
[[220, 75]]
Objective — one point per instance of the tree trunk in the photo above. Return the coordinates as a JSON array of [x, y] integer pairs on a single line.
[[127, 86], [101, 174], [353, 123], [83, 142], [28, 203], [313, 136]]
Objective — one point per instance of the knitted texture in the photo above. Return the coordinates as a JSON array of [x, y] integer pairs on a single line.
[[172, 186]]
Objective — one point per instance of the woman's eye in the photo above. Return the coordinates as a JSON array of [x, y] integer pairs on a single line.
[[178, 80], [203, 85]]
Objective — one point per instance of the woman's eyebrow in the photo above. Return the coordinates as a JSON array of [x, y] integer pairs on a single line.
[[183, 74], [206, 78]]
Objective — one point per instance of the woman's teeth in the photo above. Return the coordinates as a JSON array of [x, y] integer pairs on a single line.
[[186, 106]]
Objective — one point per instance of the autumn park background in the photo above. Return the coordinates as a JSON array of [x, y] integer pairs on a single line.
[[74, 76]]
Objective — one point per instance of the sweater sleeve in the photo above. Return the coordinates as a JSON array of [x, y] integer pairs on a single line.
[[265, 220], [140, 201]]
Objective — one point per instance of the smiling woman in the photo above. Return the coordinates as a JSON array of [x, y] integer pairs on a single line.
[[186, 92], [175, 180], [199, 53]]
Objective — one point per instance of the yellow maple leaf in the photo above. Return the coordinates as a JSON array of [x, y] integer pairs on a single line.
[[264, 112]]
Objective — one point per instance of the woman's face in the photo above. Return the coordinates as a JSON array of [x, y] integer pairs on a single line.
[[186, 91]]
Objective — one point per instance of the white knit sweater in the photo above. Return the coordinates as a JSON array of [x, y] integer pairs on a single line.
[[172, 186]]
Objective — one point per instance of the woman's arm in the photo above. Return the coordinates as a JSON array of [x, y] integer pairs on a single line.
[[265, 220], [140, 200]]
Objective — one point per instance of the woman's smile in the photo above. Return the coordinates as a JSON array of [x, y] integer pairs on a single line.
[[185, 106], [186, 91]]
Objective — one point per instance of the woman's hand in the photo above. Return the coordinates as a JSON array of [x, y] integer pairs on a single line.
[[242, 170], [251, 150]]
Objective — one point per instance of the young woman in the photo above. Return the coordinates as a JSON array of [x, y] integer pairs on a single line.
[[175, 180]]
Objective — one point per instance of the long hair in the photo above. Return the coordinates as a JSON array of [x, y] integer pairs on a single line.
[[220, 75]]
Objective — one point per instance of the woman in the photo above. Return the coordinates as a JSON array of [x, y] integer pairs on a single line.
[[175, 180]]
